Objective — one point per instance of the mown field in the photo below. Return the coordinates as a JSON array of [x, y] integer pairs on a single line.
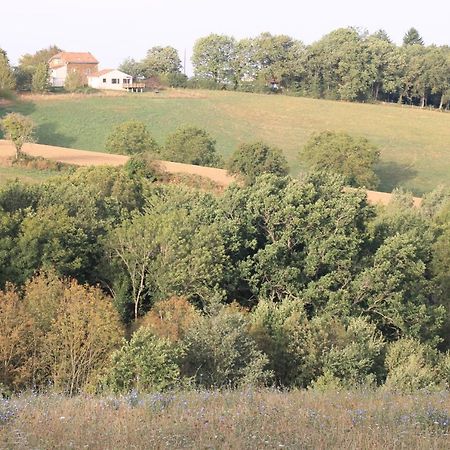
[[244, 419], [415, 144]]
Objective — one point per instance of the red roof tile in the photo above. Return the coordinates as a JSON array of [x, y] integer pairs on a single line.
[[75, 58]]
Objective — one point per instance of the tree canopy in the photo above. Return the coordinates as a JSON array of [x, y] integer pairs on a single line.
[[18, 129], [352, 157], [191, 145], [251, 160], [131, 137]]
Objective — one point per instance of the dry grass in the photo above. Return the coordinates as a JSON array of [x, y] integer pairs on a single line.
[[245, 419]]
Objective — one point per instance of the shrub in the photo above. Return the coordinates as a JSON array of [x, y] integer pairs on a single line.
[[74, 81], [192, 145], [320, 349], [221, 352], [251, 160], [411, 365], [15, 341], [86, 329], [352, 157], [143, 165], [444, 368], [171, 318], [18, 129], [146, 363], [174, 79], [354, 358], [130, 138], [202, 83], [283, 332]]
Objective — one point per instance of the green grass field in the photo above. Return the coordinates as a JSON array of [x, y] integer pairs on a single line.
[[8, 174], [414, 143]]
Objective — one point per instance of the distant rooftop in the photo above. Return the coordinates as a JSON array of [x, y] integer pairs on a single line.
[[75, 57]]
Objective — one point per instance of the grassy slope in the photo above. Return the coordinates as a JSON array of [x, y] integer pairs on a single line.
[[415, 144], [8, 174]]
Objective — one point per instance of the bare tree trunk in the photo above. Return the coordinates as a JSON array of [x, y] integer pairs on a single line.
[[441, 103], [423, 100], [377, 90]]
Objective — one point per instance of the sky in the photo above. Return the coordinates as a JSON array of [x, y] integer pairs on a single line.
[[113, 30]]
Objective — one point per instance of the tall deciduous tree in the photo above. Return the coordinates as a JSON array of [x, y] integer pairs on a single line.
[[29, 63], [133, 246], [161, 60], [132, 67], [213, 58], [40, 80], [7, 79]]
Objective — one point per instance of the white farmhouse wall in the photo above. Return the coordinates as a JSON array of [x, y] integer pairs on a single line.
[[114, 79], [58, 76]]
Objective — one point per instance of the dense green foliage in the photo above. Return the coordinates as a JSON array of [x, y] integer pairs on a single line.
[[30, 64], [7, 78], [40, 79], [252, 160], [344, 64], [160, 63], [191, 145], [131, 137], [145, 363], [18, 129], [352, 157], [330, 292]]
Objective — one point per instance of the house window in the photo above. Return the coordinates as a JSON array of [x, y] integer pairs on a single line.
[[113, 81], [104, 80], [126, 81]]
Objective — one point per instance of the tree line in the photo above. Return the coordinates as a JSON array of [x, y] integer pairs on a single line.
[[112, 280], [346, 64]]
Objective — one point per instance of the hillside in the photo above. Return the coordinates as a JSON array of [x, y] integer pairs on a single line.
[[414, 143], [90, 158]]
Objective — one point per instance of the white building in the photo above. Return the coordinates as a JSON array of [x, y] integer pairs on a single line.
[[110, 79], [63, 63]]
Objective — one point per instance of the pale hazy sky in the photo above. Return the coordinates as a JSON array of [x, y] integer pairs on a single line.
[[115, 29]]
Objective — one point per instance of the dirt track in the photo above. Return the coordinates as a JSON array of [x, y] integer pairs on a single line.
[[88, 158]]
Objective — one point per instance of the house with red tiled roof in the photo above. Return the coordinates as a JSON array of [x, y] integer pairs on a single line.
[[110, 79], [63, 63]]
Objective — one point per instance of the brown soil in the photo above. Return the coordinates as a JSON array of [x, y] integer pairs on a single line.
[[88, 158]]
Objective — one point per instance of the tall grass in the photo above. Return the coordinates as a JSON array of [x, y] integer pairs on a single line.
[[229, 419]]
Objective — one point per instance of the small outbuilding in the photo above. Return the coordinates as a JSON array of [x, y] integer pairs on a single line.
[[110, 79]]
